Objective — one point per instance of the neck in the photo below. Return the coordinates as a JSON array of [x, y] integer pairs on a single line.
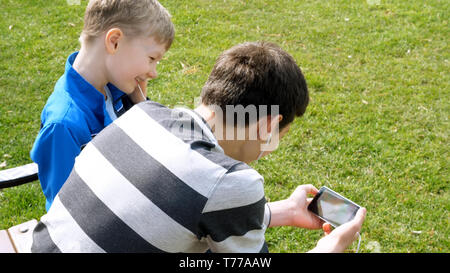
[[89, 65], [237, 149]]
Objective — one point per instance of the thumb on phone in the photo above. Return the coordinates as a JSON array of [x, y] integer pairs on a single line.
[[341, 237], [326, 227]]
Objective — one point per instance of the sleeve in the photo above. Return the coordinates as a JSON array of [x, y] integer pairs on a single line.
[[54, 152], [236, 216]]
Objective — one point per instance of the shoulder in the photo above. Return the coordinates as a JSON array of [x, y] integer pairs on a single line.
[[51, 138], [58, 107], [66, 104], [62, 112], [56, 132], [63, 120], [240, 186]]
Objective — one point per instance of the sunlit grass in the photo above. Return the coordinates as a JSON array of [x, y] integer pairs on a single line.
[[376, 130]]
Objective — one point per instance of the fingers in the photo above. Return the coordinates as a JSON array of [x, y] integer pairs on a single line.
[[361, 214], [302, 191], [308, 188], [359, 218], [357, 222], [354, 225], [326, 227], [343, 236], [143, 85]]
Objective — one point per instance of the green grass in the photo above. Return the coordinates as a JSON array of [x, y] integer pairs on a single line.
[[376, 130]]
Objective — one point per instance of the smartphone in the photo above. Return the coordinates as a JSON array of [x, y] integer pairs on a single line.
[[332, 207]]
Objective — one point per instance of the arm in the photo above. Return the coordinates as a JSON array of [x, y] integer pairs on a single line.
[[235, 230], [235, 217], [54, 151]]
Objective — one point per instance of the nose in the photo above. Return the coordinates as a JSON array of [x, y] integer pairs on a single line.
[[152, 74]]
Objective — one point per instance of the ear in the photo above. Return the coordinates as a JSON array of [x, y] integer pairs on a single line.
[[267, 126], [112, 39]]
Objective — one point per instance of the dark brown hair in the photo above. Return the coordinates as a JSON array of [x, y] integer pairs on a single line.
[[257, 73]]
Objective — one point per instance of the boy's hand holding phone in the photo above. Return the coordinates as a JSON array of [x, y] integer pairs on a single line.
[[294, 210], [297, 211], [340, 238], [341, 213]]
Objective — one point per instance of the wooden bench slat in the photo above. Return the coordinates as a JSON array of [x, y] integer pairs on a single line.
[[6, 245], [18, 239]]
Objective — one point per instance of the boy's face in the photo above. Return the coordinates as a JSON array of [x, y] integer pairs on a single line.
[[134, 60]]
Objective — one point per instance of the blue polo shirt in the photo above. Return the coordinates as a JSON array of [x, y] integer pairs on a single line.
[[73, 114]]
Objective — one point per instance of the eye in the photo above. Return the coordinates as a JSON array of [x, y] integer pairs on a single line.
[[153, 59]]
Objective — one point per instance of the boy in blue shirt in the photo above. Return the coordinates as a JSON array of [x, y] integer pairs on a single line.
[[121, 43]]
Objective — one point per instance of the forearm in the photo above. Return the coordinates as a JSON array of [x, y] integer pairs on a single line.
[[281, 213]]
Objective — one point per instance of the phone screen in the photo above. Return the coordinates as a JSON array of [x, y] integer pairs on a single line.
[[332, 207]]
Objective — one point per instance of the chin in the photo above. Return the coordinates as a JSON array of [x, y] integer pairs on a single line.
[[128, 89], [129, 92]]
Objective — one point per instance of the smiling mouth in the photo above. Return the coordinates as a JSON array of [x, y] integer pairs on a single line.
[[138, 79]]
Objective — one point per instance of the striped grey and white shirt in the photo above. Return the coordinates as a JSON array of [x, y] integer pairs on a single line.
[[156, 180]]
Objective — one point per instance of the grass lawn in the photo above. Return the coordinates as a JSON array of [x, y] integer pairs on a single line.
[[376, 130]]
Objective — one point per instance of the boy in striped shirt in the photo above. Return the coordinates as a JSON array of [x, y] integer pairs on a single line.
[[177, 180]]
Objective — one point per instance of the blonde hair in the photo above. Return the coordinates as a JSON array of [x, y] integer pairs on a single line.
[[134, 17]]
